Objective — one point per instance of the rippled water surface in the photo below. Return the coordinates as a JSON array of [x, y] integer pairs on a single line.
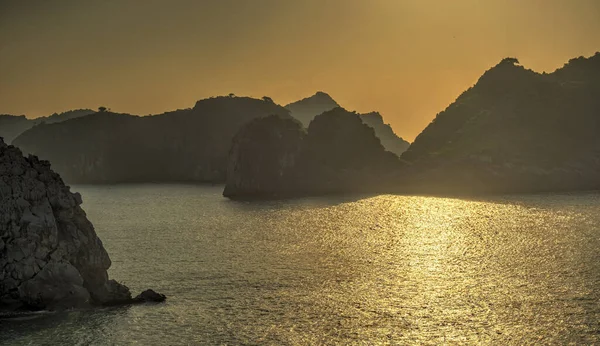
[[344, 270]]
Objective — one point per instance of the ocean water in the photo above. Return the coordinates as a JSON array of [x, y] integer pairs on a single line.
[[351, 270]]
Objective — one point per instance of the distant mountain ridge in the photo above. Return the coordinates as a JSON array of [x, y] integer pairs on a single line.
[[186, 145], [306, 109], [12, 126]]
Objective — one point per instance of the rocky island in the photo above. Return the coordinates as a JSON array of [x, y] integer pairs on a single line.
[[50, 255], [274, 157]]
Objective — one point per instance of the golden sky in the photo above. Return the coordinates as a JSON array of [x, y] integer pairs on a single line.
[[407, 59]]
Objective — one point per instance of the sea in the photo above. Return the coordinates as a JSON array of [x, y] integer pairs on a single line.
[[343, 270]]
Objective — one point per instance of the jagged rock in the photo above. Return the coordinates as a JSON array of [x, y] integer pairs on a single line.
[[50, 256]]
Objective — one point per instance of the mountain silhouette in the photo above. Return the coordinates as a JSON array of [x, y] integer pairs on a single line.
[[187, 145], [515, 130], [306, 109]]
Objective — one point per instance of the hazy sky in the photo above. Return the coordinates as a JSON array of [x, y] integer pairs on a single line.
[[407, 59]]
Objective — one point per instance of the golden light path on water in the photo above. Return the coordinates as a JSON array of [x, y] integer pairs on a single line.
[[360, 270]]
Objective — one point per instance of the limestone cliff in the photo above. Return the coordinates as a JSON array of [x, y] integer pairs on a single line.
[[274, 157], [50, 256], [262, 154]]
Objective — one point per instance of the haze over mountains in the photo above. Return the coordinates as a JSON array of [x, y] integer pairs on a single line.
[[306, 109], [515, 130], [183, 145], [12, 125]]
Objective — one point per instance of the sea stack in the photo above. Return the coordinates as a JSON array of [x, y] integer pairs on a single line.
[[50, 255]]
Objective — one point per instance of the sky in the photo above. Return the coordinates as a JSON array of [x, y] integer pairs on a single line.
[[408, 59]]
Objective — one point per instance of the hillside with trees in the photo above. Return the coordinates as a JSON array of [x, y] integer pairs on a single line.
[[187, 145], [515, 130]]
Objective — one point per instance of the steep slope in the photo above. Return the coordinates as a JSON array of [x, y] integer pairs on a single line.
[[308, 108], [516, 130], [274, 157], [183, 145]]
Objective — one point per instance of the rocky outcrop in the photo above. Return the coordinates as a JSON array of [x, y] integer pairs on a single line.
[[50, 256], [274, 157], [262, 154]]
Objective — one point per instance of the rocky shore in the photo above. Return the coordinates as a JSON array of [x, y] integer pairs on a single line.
[[50, 255]]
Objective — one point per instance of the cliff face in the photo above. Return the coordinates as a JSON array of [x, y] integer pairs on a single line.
[[50, 257], [338, 154], [262, 156], [308, 108], [188, 145], [516, 130]]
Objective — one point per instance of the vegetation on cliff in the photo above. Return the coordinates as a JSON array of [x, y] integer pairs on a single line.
[[184, 145], [516, 130], [338, 153]]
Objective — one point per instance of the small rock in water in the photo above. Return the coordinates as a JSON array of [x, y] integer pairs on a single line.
[[150, 296]]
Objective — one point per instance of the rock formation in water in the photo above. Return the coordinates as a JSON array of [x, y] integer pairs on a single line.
[[275, 158], [515, 130], [261, 157], [12, 126], [308, 108], [188, 145], [50, 256]]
